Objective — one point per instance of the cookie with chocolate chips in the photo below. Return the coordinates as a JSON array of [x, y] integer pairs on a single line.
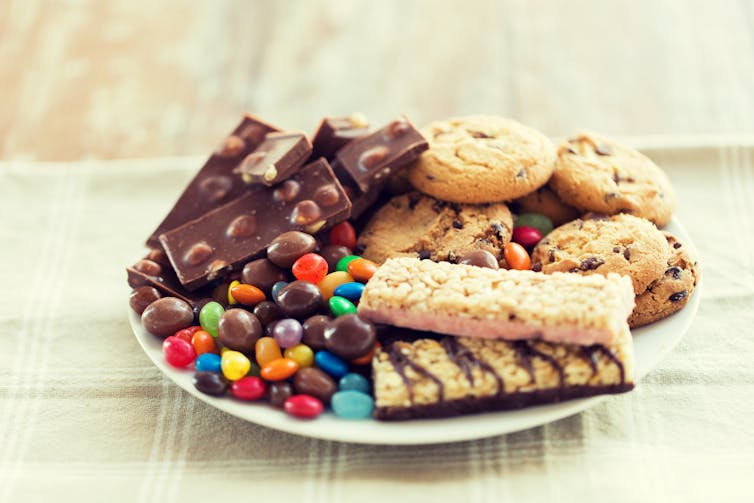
[[671, 291], [415, 225], [594, 173], [482, 159], [600, 244]]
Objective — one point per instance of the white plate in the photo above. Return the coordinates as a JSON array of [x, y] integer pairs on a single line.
[[651, 344]]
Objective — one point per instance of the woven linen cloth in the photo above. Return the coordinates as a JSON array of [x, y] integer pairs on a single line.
[[85, 416]]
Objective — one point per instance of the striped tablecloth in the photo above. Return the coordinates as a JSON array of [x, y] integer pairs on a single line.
[[85, 416]]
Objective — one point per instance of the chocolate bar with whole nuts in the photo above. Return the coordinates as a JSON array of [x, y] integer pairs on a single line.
[[276, 159], [333, 133]]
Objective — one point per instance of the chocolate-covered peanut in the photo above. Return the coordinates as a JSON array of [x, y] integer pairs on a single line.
[[350, 336], [165, 316], [300, 299], [142, 296], [262, 273], [289, 246], [238, 329], [312, 381]]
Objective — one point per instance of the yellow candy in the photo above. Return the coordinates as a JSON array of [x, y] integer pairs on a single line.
[[231, 300], [332, 281], [234, 365], [301, 354]]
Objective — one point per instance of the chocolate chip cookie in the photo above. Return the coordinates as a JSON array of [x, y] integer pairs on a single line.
[[546, 202], [415, 225], [599, 244], [482, 159], [594, 173], [671, 291]]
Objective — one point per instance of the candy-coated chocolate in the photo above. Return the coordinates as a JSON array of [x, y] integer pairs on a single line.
[[187, 333], [342, 264], [288, 246], [480, 258], [210, 383], [208, 362], [267, 312], [332, 281], [262, 274], [354, 382], [303, 406], [314, 331], [178, 352], [310, 267], [279, 369], [362, 269], [287, 332], [332, 254], [334, 365], [351, 291], [280, 392], [142, 296], [232, 300], [300, 299], [203, 342], [275, 291], [352, 404], [209, 317], [350, 336], [313, 381], [528, 237], [248, 295], [248, 388], [536, 220], [340, 306], [301, 354], [234, 365], [239, 329], [516, 256], [267, 349], [165, 316], [343, 234]]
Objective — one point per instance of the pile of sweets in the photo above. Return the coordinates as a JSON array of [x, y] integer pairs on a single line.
[[381, 273]]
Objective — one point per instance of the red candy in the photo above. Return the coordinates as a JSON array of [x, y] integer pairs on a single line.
[[178, 352], [528, 237], [343, 234], [304, 406], [310, 267], [187, 333], [248, 388]]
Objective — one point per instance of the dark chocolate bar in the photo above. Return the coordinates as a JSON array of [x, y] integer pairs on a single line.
[[216, 184], [369, 160], [221, 240], [278, 157], [333, 133], [153, 271], [420, 377]]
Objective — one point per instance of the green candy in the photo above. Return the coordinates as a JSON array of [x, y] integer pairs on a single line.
[[340, 306], [342, 264], [210, 316], [536, 220]]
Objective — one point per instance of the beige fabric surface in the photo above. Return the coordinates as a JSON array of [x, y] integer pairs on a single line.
[[85, 416]]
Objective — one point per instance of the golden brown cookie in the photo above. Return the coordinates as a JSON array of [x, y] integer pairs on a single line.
[[482, 159], [546, 202], [600, 244], [671, 291], [594, 173], [415, 225]]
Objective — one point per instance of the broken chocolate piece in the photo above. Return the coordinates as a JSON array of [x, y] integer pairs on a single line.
[[333, 133], [278, 157]]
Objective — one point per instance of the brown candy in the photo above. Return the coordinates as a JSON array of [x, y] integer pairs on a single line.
[[267, 312], [314, 331], [350, 336], [279, 393], [142, 296], [312, 381], [238, 329], [262, 273], [165, 316], [299, 299], [480, 258], [332, 254], [288, 246]]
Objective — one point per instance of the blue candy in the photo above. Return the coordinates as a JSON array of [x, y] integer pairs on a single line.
[[208, 362], [331, 364], [352, 404], [351, 291], [276, 289], [354, 382]]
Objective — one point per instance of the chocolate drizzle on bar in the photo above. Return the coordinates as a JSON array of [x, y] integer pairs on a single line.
[[525, 353], [400, 361], [590, 354], [465, 360]]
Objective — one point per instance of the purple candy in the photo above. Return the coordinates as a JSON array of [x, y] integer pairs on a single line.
[[288, 332]]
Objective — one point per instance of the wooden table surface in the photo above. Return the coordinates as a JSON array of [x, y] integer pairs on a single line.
[[139, 78]]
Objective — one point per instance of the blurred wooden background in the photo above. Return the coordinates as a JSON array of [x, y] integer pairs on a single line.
[[137, 78]]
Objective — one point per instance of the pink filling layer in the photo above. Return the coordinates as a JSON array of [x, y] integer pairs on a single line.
[[489, 329]]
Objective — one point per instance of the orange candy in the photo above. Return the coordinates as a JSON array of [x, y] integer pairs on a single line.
[[367, 358], [267, 349], [203, 342], [516, 257], [279, 369], [248, 295], [332, 281], [362, 269]]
